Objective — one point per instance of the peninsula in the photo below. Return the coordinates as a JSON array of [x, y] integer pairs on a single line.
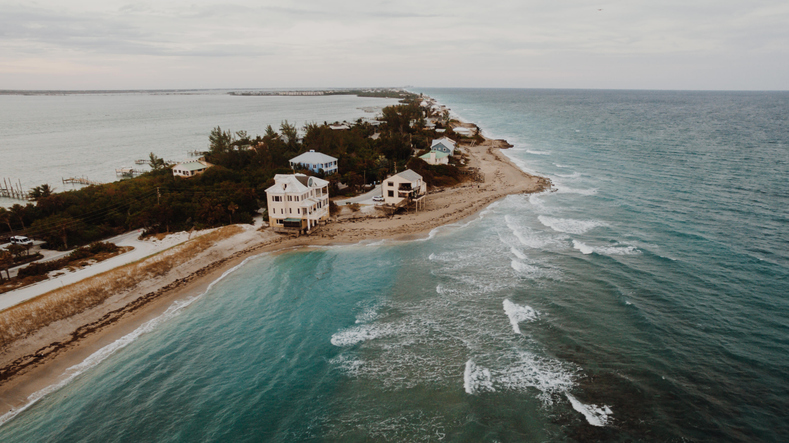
[[94, 313]]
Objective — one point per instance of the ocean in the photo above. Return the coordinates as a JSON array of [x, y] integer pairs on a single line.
[[644, 299]]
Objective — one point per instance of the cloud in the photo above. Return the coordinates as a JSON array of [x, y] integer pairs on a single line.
[[431, 43]]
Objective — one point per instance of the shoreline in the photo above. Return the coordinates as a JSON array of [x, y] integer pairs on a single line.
[[41, 360]]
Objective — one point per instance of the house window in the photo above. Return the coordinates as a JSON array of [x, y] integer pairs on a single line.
[[290, 211], [391, 193], [389, 183]]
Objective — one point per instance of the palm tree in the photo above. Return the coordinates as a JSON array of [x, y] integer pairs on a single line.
[[156, 163], [40, 192]]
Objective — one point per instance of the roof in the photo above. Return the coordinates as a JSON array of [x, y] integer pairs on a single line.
[[295, 183], [192, 165], [313, 157], [448, 142], [438, 154], [409, 175]]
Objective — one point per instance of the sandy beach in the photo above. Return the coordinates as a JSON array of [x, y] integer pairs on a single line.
[[41, 360]]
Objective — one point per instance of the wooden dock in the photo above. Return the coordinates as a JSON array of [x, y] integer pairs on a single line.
[[79, 181], [9, 189]]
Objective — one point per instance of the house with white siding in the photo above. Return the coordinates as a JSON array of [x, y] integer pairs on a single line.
[[191, 168], [297, 203], [315, 162], [404, 188]]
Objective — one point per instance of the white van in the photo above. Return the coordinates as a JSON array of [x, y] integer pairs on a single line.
[[21, 240]]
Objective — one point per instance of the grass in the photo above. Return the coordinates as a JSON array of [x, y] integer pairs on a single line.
[[23, 319]]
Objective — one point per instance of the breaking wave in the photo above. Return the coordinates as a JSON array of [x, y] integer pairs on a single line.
[[570, 226]]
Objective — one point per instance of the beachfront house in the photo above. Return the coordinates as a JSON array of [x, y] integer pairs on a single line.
[[436, 158], [191, 168], [297, 203], [404, 188], [443, 144], [315, 162]]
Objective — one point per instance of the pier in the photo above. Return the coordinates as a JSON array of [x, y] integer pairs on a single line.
[[79, 181], [196, 153], [9, 189]]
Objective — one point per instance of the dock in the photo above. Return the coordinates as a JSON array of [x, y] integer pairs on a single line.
[[9, 189], [79, 181], [196, 153]]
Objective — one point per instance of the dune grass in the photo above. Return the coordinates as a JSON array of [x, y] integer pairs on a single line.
[[21, 320]]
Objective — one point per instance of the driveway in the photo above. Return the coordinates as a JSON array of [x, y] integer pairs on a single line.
[[364, 199]]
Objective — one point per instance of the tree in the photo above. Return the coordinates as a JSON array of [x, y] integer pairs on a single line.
[[232, 207], [19, 212], [40, 192], [6, 261], [291, 133], [220, 141], [156, 163], [17, 251], [5, 217]]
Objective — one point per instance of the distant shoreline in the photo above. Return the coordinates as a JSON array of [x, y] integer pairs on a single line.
[[36, 362]]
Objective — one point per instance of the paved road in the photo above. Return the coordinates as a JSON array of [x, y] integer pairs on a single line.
[[142, 249], [364, 199]]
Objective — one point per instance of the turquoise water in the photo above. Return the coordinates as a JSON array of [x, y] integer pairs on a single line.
[[645, 300]]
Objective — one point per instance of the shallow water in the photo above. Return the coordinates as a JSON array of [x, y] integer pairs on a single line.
[[644, 299], [45, 138]]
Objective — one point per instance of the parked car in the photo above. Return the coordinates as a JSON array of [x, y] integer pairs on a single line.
[[21, 240], [378, 198]]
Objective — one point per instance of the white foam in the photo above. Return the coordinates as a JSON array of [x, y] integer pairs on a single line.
[[477, 379], [518, 314], [595, 415], [565, 190], [573, 175], [570, 226], [516, 252], [362, 333], [535, 152], [560, 166], [526, 236], [102, 354], [605, 250], [527, 370]]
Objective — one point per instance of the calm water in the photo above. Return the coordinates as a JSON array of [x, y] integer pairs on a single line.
[[45, 138], [646, 295]]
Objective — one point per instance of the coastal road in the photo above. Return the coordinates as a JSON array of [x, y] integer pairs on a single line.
[[142, 249]]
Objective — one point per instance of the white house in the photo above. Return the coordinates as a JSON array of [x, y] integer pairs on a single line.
[[443, 144], [315, 162], [436, 158], [191, 168], [404, 188], [297, 203]]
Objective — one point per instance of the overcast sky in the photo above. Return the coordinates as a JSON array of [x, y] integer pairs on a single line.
[[667, 44]]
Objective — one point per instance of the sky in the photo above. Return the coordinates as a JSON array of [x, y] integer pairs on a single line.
[[617, 44]]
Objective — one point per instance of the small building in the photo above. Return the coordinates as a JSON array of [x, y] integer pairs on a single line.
[[443, 144], [191, 168], [315, 162], [436, 158], [297, 203], [404, 188]]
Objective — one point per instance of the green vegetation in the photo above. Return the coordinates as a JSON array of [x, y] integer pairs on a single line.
[[233, 190]]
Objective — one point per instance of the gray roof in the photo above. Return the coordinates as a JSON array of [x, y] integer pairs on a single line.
[[410, 175], [312, 157]]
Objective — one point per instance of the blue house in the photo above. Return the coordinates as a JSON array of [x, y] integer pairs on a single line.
[[315, 162]]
